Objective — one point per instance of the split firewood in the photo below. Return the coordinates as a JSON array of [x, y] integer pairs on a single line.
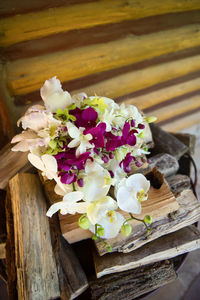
[[160, 203], [166, 163], [2, 250], [133, 283], [187, 139], [10, 163], [35, 263], [166, 142], [2, 216], [168, 246], [178, 183], [187, 214]]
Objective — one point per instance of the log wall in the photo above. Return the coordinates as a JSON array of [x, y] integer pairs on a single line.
[[142, 52]]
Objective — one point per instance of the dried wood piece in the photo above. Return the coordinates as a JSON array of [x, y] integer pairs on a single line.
[[178, 183], [187, 139], [166, 163], [187, 214], [160, 202], [10, 163], [2, 250], [167, 143], [2, 216], [168, 246], [133, 283], [35, 263]]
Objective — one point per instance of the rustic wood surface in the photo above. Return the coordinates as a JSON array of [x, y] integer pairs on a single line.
[[2, 250], [11, 163], [178, 183], [187, 214], [166, 163], [168, 246], [36, 277], [160, 202], [133, 283], [166, 142]]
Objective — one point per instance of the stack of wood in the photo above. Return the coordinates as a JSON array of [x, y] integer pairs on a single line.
[[41, 263]]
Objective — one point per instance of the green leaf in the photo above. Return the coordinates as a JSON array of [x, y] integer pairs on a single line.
[[53, 144]]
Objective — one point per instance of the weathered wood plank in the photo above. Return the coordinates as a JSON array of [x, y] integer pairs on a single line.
[[174, 109], [2, 250], [166, 164], [184, 121], [10, 163], [36, 268], [133, 283], [159, 203], [187, 214], [178, 183], [19, 28], [168, 246], [166, 142], [27, 75], [140, 79], [188, 139]]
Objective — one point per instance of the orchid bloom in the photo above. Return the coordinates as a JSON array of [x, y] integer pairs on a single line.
[[102, 212], [131, 192], [97, 182], [27, 140], [46, 163], [53, 95], [80, 140], [69, 205]]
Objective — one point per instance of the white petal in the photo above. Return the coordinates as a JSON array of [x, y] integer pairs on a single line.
[[80, 208], [62, 189], [36, 161], [50, 163], [73, 130], [24, 136], [22, 146], [94, 188], [57, 101], [73, 197], [138, 182], [54, 208], [50, 87], [127, 200], [74, 143]]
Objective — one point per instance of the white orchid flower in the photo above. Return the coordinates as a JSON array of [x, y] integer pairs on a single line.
[[107, 118], [46, 163], [102, 212], [34, 119], [27, 140], [53, 95], [78, 98], [80, 140], [97, 182], [62, 189], [131, 192], [69, 205]]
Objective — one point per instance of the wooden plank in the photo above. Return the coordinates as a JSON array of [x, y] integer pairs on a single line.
[[98, 34], [144, 78], [187, 214], [2, 250], [133, 283], [168, 246], [164, 94], [166, 164], [19, 28], [160, 202], [36, 268], [11, 163], [187, 139], [27, 75], [178, 183], [182, 122], [174, 109], [166, 142]]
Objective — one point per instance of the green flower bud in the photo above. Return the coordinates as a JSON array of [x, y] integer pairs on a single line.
[[126, 229], [84, 222], [100, 231], [109, 248], [94, 237], [148, 219], [150, 119]]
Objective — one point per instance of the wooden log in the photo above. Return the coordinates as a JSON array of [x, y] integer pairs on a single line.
[[133, 283], [2, 216], [166, 163], [160, 202], [10, 163], [19, 28], [35, 263], [187, 214], [184, 121], [168, 246], [188, 139], [21, 72], [167, 143], [2, 250], [178, 183]]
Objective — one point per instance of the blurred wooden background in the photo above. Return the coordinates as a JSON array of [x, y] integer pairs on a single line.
[[144, 52]]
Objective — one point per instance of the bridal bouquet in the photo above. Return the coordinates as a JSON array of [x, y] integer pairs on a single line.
[[87, 145]]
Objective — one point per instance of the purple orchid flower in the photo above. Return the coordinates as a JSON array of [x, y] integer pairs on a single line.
[[126, 162], [85, 117], [113, 141], [128, 137], [97, 134]]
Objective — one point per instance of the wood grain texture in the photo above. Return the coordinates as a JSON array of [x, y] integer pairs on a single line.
[[36, 268], [168, 246], [11, 163], [166, 164], [187, 214], [133, 283], [19, 28], [27, 75], [98, 34], [178, 183], [160, 202], [2, 250]]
